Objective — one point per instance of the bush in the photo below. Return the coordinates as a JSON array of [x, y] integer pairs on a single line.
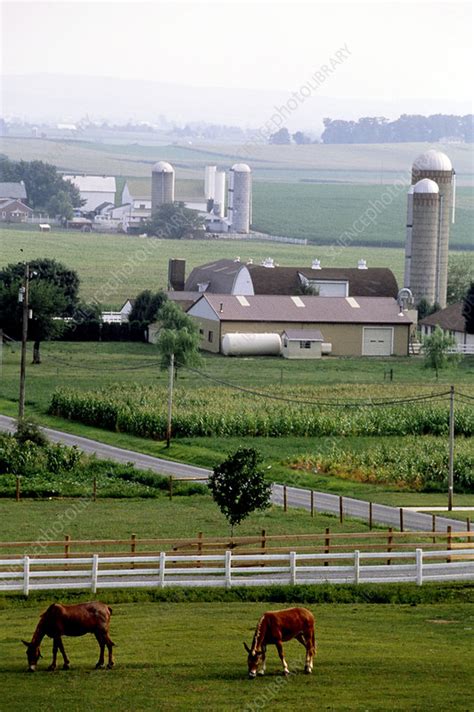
[[28, 430]]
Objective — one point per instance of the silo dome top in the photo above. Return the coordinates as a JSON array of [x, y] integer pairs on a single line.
[[162, 167], [432, 160], [241, 168], [426, 186]]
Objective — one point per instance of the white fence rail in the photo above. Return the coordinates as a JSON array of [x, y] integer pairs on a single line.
[[226, 570]]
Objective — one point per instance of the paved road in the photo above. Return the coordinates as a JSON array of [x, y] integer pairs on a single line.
[[298, 498]]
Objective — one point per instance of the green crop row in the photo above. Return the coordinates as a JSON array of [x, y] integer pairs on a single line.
[[142, 411]]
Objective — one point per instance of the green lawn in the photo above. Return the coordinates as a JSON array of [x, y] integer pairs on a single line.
[[190, 657]]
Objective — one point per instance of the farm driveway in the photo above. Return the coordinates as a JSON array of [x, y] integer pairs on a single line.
[[299, 498]]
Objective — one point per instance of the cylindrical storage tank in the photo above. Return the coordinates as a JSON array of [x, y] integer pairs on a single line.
[[162, 185], [239, 207], [424, 242], [251, 345], [406, 281], [209, 181], [219, 194], [436, 166]]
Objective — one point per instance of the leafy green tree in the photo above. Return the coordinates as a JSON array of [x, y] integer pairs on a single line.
[[425, 308], [460, 276], [280, 138], [60, 206], [436, 349], [468, 309], [42, 182], [52, 294], [146, 306], [238, 486], [174, 221], [300, 138], [178, 335]]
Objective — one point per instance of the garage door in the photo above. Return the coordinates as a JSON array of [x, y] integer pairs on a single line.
[[377, 341]]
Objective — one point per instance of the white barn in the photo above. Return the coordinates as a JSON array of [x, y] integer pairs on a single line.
[[95, 190]]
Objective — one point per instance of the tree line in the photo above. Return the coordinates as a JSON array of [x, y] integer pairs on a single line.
[[408, 127]]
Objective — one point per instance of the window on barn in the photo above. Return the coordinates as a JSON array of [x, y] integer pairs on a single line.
[[210, 337], [305, 344]]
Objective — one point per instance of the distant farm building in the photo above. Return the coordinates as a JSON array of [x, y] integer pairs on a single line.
[[16, 191], [452, 322], [94, 189], [14, 211]]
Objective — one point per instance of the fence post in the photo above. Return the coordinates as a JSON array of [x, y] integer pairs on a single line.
[[285, 502], [162, 568], [67, 545], [17, 489], [401, 519], [200, 535], [26, 575], [95, 569], [292, 568], [389, 544], [341, 509], [170, 485], [450, 542], [133, 546], [433, 526], [94, 490], [228, 566], [370, 516], [356, 566], [419, 567], [263, 541], [312, 503], [468, 528], [327, 544]]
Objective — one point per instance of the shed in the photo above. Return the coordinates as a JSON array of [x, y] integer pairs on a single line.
[[302, 343]]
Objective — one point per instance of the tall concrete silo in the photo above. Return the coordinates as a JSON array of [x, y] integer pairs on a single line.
[[436, 166], [219, 193], [239, 203], [209, 182], [162, 185], [423, 277]]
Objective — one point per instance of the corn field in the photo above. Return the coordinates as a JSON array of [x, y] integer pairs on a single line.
[[217, 411]]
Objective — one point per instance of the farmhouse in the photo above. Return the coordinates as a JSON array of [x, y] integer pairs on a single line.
[[362, 326], [15, 191], [235, 277], [14, 211], [451, 321], [94, 189]]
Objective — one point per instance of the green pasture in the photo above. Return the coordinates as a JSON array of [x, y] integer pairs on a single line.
[[172, 656], [112, 268]]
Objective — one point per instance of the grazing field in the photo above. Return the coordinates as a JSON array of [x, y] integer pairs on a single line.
[[172, 656]]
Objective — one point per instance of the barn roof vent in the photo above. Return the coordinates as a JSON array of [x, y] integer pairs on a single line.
[[268, 262], [362, 264], [316, 264]]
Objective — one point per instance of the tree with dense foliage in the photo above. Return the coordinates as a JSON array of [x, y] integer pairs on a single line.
[[468, 309], [238, 486], [60, 206], [460, 276], [146, 306], [178, 335], [42, 182], [424, 308], [300, 138], [174, 221], [436, 349], [280, 137], [52, 293]]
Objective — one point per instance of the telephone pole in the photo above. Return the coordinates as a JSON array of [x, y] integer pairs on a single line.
[[23, 297], [451, 449], [170, 400]]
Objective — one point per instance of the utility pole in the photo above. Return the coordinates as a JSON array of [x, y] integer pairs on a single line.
[[23, 297], [170, 400], [451, 449]]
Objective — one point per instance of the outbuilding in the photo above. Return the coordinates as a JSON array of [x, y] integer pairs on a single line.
[[301, 343]]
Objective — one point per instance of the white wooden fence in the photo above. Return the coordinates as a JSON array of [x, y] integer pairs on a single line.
[[226, 570]]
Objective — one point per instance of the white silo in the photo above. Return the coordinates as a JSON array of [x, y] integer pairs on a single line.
[[436, 166], [162, 185], [210, 182], [406, 280], [239, 202], [423, 278], [219, 193]]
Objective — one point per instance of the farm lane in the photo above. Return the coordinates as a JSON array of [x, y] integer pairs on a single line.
[[296, 497]]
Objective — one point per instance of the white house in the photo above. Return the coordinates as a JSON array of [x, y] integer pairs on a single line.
[[94, 189], [451, 321]]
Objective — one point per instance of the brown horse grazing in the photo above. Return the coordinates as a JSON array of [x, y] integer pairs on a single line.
[[79, 619], [275, 628]]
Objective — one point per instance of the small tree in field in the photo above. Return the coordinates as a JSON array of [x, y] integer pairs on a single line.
[[238, 486], [436, 348]]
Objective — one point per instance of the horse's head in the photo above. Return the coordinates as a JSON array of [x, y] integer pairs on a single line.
[[33, 654], [253, 660]]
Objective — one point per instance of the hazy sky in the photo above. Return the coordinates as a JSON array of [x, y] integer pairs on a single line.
[[403, 49]]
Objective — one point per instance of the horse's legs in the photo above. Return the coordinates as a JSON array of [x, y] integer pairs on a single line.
[[261, 670], [110, 648], [63, 653], [100, 637], [279, 647], [55, 654], [306, 641]]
